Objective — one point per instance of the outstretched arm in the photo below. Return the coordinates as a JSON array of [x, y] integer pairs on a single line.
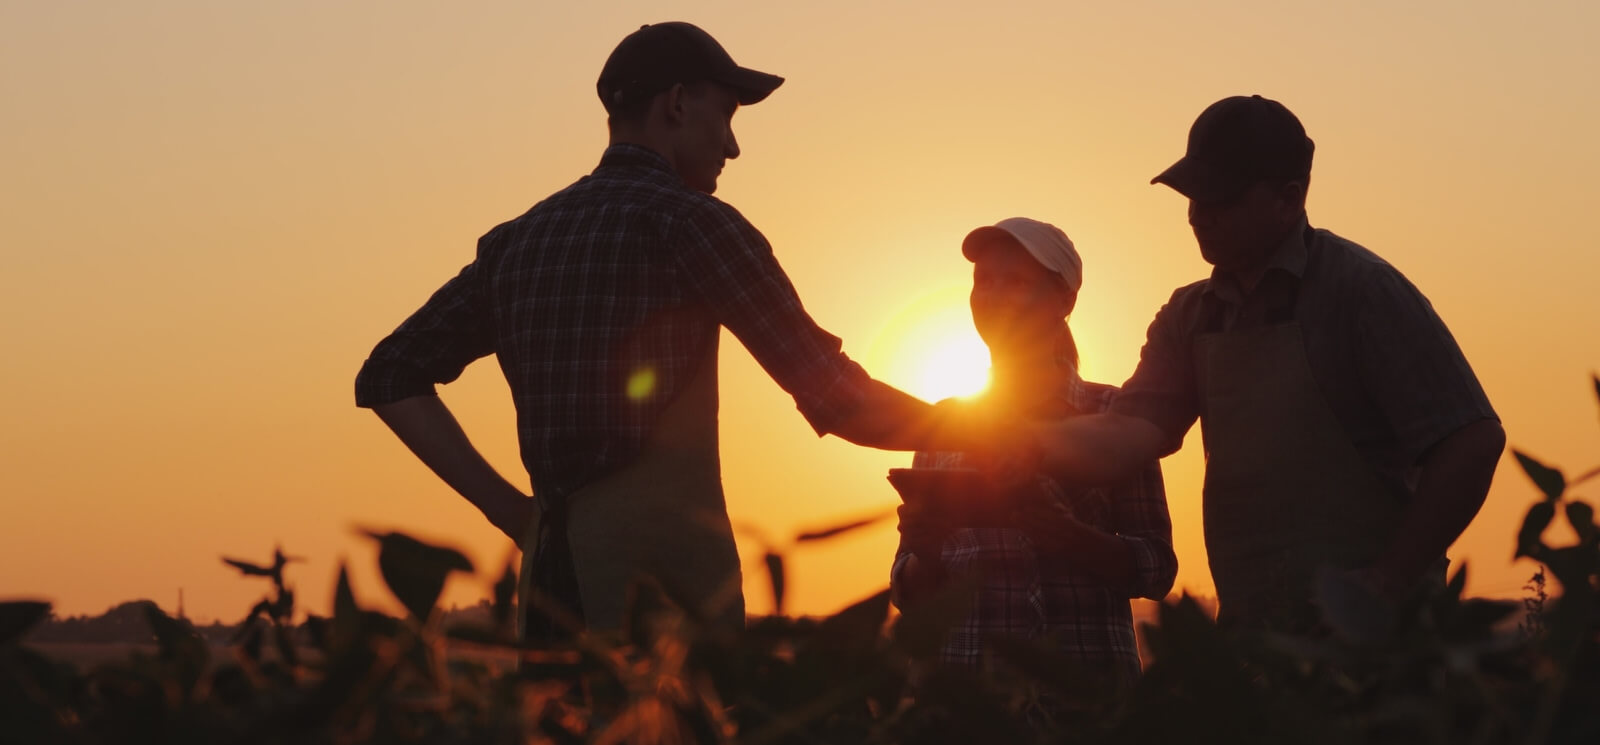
[[890, 419], [428, 428], [1099, 449]]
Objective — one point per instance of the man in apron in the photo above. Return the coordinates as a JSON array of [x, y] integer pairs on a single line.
[[603, 304], [1343, 427]]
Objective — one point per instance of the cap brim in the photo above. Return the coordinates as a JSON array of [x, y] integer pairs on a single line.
[[982, 238], [753, 86], [1200, 181]]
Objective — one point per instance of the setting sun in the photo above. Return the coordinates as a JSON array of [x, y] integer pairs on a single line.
[[930, 349], [957, 366]]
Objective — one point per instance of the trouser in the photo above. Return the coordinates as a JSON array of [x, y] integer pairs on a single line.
[[555, 582]]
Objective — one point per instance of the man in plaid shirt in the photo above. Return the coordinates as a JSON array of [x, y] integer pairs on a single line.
[[1063, 565], [603, 305]]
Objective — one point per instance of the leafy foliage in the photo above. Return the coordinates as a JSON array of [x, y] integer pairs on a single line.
[[1443, 669]]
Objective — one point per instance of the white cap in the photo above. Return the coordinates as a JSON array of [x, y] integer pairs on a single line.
[[1044, 242]]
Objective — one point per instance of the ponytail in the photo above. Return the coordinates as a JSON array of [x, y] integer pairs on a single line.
[[1066, 347]]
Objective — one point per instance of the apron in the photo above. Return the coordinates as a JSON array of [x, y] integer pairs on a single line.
[[1286, 492], [662, 515]]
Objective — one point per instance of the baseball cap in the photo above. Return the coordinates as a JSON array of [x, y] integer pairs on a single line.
[[1043, 241], [1236, 142], [659, 55]]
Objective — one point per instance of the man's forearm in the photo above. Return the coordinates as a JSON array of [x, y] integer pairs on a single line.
[[427, 427], [890, 419], [1098, 449], [1455, 479]]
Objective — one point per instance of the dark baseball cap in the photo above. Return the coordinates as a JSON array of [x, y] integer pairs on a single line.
[[660, 55], [1237, 142]]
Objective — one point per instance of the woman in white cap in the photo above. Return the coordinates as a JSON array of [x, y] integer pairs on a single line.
[[1062, 563]]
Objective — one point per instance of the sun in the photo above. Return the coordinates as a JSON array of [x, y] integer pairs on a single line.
[[958, 365], [930, 349]]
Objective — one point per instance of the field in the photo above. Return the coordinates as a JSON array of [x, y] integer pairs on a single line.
[[1440, 668]]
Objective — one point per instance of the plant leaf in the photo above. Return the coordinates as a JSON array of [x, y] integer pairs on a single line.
[[180, 645], [922, 627], [1051, 667], [855, 629], [17, 617], [645, 605], [249, 640], [1585, 477], [1539, 517], [1572, 566], [1581, 515], [505, 594], [1479, 616], [317, 628], [283, 608], [1457, 583], [284, 637], [415, 571], [344, 600], [1549, 480], [774, 563], [248, 569], [824, 533]]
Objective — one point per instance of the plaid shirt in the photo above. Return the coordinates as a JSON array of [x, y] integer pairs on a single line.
[[1030, 593], [600, 302]]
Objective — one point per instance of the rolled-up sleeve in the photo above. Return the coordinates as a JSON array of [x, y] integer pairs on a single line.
[[1163, 389], [1412, 367], [730, 268], [1144, 525], [433, 346]]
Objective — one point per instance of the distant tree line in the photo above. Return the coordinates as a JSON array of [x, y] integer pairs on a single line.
[[127, 623]]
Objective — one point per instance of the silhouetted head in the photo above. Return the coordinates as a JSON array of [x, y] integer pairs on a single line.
[[1245, 172], [1025, 280], [673, 88]]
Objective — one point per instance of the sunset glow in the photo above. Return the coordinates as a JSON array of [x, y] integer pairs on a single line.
[[930, 349], [956, 366], [210, 212]]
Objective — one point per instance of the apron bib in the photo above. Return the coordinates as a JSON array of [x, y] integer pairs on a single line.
[[1286, 492], [663, 515]]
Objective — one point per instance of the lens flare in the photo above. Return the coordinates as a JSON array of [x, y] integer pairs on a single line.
[[642, 384]]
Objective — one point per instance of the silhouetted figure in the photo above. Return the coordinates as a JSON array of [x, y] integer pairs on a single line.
[[1343, 426], [1062, 564], [603, 305]]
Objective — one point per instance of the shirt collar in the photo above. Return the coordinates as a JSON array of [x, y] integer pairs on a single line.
[[630, 155], [1290, 257]]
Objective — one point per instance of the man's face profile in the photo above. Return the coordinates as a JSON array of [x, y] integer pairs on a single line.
[[1240, 233], [705, 138]]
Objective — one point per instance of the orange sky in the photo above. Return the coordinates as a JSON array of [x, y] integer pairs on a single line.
[[209, 212]]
